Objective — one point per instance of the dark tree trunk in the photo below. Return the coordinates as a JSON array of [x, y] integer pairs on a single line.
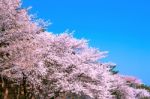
[[24, 86]]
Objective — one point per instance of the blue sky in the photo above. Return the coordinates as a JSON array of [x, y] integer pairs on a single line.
[[121, 27]]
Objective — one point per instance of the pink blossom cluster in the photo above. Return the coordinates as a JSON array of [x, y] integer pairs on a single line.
[[55, 63]]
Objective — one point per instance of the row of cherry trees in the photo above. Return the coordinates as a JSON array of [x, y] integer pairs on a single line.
[[48, 65]]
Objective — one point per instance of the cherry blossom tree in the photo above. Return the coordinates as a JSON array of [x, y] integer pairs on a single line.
[[51, 64], [58, 63], [122, 88], [20, 58]]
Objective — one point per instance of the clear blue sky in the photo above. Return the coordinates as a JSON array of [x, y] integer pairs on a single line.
[[121, 27]]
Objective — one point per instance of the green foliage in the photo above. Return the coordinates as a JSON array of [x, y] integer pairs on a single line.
[[143, 86], [113, 70], [1, 94]]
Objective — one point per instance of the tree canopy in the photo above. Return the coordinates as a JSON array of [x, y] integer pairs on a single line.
[[51, 64]]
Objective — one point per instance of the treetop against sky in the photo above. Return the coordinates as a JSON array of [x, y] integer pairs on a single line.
[[50, 64]]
